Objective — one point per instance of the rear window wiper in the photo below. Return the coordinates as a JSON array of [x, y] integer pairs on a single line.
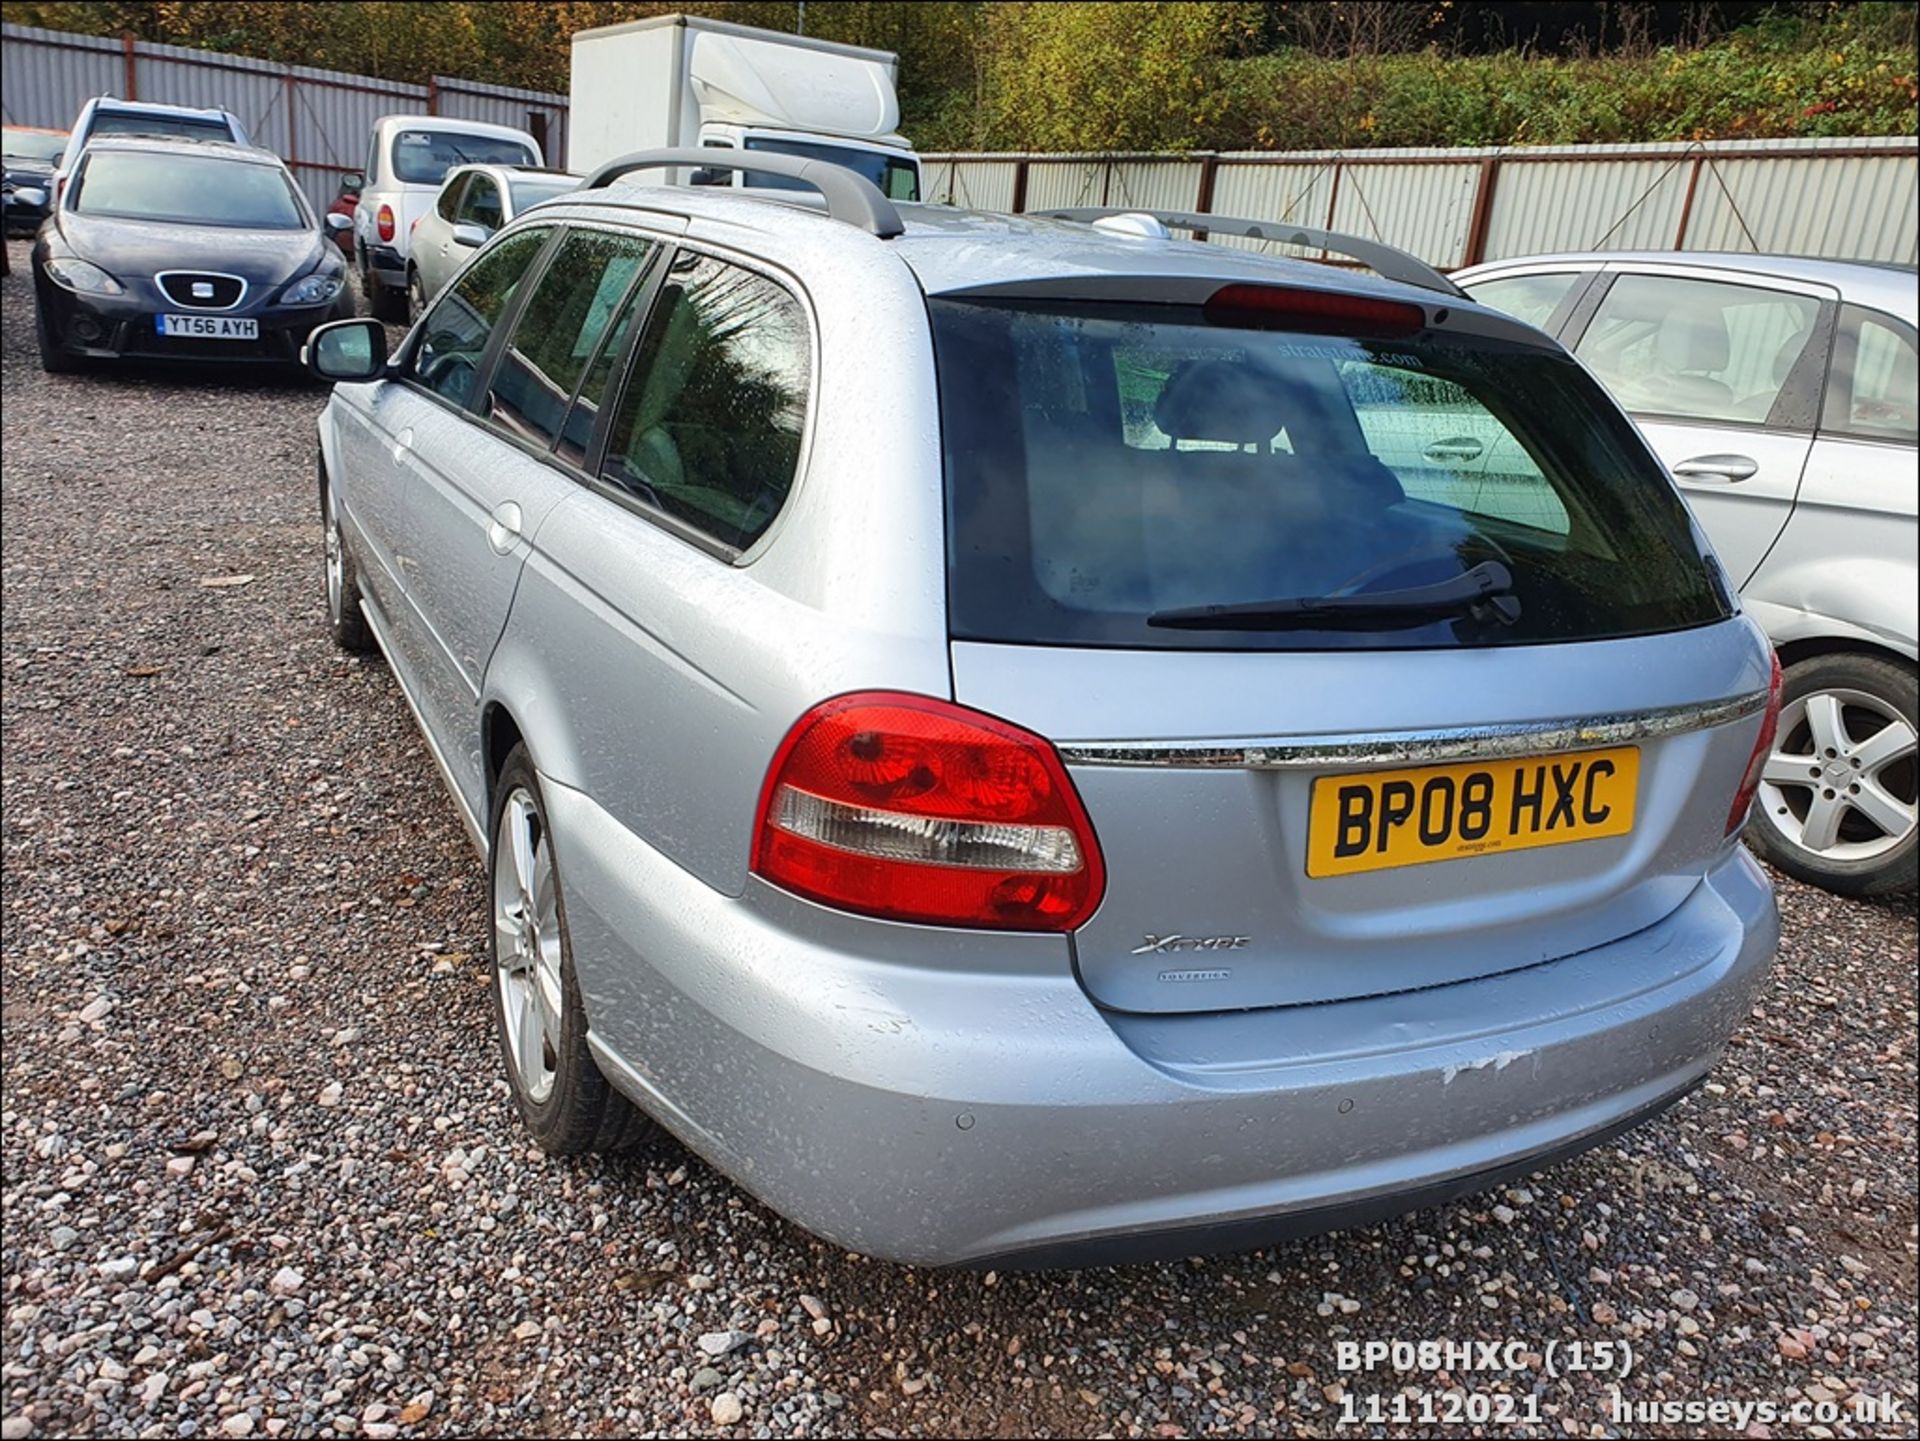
[[1484, 592]]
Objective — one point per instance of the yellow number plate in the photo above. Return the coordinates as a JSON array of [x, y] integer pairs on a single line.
[[1378, 819]]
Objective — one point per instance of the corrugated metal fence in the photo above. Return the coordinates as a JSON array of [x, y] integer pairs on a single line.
[[319, 121], [1845, 198]]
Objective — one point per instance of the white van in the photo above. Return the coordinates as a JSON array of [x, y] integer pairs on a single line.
[[409, 157]]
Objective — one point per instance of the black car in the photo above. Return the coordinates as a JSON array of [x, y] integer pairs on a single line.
[[27, 160], [182, 250]]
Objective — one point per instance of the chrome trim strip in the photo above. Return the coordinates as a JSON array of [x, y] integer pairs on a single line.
[[159, 283], [472, 822], [1403, 748]]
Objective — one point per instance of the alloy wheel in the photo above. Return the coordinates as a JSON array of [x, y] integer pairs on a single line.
[[1840, 782], [526, 930], [336, 568]]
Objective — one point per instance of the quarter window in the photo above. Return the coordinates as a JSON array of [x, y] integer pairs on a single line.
[[1875, 387], [454, 335], [1697, 349], [558, 329], [708, 428], [1530, 298]]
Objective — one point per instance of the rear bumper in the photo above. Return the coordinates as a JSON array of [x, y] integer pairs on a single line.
[[386, 265], [921, 1102]]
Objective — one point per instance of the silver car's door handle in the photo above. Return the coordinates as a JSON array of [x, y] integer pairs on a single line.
[[1456, 447], [1727, 469], [402, 443], [503, 527]]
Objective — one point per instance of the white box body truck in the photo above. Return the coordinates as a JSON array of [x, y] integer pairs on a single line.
[[680, 81]]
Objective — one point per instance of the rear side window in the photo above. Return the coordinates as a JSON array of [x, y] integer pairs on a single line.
[[708, 429], [1532, 298], [1697, 349], [559, 330], [454, 336], [1109, 467], [1874, 391]]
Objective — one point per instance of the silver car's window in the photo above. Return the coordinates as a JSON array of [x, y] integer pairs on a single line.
[[449, 198], [1532, 298], [453, 337], [1874, 391], [1109, 465], [1697, 349], [708, 428], [480, 205], [555, 335]]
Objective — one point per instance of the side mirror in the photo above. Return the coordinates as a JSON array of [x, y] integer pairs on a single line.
[[353, 182], [337, 223], [468, 234], [346, 350]]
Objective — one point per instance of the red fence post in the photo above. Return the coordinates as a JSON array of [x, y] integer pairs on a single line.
[[1203, 202], [1686, 206], [433, 95], [1019, 185], [1482, 217], [132, 62]]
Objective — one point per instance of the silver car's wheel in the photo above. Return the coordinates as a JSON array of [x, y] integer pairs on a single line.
[[416, 297], [336, 570], [526, 928], [1839, 796], [541, 1018]]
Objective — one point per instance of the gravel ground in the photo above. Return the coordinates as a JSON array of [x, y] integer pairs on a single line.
[[262, 1176]]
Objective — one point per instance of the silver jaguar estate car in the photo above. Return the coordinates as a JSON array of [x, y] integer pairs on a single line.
[[1035, 739]]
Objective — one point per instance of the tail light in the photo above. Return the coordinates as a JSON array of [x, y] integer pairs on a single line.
[[383, 222], [1757, 762], [1313, 312], [915, 809]]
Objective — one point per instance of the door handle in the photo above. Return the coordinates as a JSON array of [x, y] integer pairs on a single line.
[[503, 527], [1456, 447], [402, 443], [1727, 469]]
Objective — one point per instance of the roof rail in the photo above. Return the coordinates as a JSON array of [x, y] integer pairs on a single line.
[[850, 197], [1383, 259]]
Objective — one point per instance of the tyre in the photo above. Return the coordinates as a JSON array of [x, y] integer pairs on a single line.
[[53, 360], [561, 1095], [385, 301], [416, 296], [1836, 805], [344, 618]]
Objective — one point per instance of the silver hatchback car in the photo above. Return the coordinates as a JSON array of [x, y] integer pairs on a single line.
[[1784, 395], [1033, 739]]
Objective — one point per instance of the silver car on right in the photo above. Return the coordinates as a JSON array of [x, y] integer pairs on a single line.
[[1783, 395]]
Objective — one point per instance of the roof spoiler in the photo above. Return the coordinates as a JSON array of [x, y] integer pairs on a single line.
[[850, 197], [1383, 259]]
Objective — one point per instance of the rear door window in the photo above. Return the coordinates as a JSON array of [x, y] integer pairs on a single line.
[[1874, 391], [708, 428], [1111, 466], [1697, 349], [454, 335], [560, 329]]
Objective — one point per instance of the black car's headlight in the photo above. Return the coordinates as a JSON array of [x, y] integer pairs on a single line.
[[82, 277], [315, 289]]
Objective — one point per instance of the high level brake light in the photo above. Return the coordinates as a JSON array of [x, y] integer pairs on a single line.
[[1757, 762], [915, 809], [1312, 312]]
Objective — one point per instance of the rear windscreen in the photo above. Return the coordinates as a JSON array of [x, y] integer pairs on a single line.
[[423, 157], [1111, 469]]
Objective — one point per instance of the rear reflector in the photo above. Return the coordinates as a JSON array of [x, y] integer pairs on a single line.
[[1314, 312], [915, 809], [1757, 762]]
